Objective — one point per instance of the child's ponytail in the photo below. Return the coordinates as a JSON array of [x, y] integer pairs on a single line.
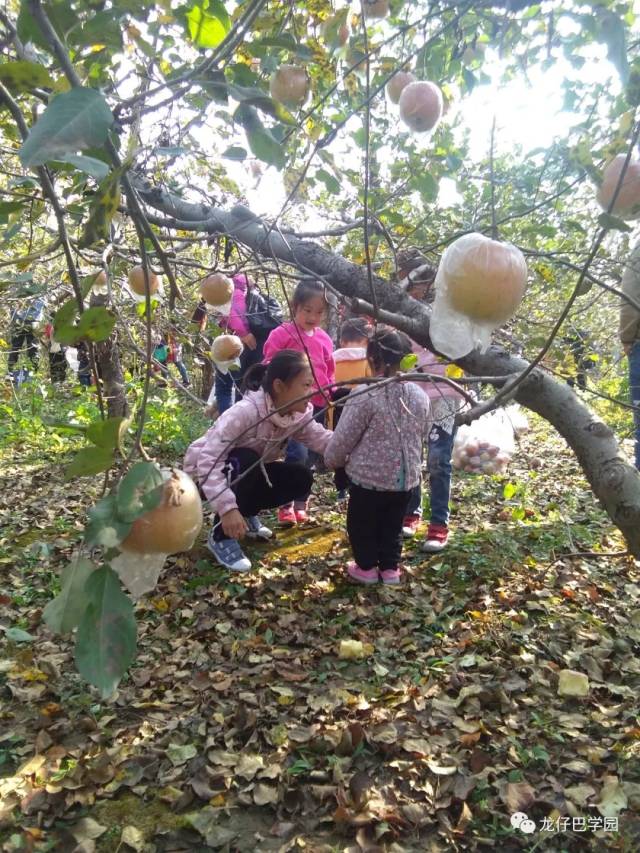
[[386, 349], [254, 377]]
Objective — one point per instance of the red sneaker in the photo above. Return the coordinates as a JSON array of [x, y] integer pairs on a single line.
[[301, 516], [390, 576], [410, 524], [286, 515], [436, 538], [362, 575]]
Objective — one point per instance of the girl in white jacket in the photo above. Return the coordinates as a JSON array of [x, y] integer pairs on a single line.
[[235, 461]]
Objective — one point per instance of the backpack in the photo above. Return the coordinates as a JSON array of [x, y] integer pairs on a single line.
[[263, 313]]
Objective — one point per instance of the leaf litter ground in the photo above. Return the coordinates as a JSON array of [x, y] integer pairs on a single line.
[[240, 728]]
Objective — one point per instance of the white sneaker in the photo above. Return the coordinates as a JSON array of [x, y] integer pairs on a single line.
[[229, 554], [257, 529]]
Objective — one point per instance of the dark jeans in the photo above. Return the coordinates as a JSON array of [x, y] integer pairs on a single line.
[[298, 453], [182, 370], [22, 338], [374, 525], [226, 382], [634, 389], [253, 492], [440, 448]]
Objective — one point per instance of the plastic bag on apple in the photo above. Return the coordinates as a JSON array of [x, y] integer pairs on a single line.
[[484, 446], [479, 285]]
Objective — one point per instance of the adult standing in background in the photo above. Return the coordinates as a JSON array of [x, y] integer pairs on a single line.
[[22, 323], [630, 336]]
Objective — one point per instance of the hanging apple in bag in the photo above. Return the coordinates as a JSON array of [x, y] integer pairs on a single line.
[[396, 85], [420, 105], [136, 281], [484, 279], [173, 525], [627, 204], [375, 8], [289, 85], [216, 289]]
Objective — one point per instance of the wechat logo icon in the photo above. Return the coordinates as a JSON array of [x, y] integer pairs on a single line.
[[521, 821]]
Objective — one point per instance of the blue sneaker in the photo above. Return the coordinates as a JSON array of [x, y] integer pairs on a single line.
[[229, 554], [257, 530]]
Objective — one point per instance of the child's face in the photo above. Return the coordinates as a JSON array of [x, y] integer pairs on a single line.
[[310, 314], [300, 386]]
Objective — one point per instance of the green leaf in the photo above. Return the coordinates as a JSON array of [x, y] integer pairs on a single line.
[[22, 76], [104, 527], [106, 639], [235, 152], [96, 324], [103, 208], [139, 491], [256, 98], [96, 168], [65, 611], [409, 361], [89, 460], [107, 433], [72, 122], [331, 183], [102, 28], [612, 32], [17, 635], [262, 143], [62, 17], [208, 23], [509, 491], [613, 223]]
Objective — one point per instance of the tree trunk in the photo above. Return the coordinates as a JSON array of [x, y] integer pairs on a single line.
[[110, 370], [613, 479]]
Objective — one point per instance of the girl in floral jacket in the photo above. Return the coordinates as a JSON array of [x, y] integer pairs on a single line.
[[379, 440]]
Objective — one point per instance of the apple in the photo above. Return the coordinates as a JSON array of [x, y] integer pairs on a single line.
[[627, 204], [397, 84], [421, 105], [289, 85]]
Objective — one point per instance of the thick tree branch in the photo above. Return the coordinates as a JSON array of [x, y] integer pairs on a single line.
[[614, 481]]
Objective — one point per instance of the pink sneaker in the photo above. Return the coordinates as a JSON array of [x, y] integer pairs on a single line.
[[286, 515], [362, 575], [436, 538], [410, 524], [390, 576], [301, 516]]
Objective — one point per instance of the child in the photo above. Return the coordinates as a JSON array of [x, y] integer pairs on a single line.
[[351, 363], [235, 461], [303, 334], [379, 437]]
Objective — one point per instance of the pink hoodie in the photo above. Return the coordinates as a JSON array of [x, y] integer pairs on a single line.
[[430, 363], [319, 347], [251, 423], [236, 322]]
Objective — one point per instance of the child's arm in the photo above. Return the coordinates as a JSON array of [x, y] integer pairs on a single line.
[[209, 459], [351, 427], [314, 436]]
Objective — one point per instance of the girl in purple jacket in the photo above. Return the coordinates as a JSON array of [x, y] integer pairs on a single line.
[[379, 440], [236, 462]]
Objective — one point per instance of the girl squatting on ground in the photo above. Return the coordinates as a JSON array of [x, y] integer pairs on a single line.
[[235, 461], [303, 334], [379, 440]]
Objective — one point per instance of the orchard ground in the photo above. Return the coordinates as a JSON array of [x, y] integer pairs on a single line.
[[240, 728]]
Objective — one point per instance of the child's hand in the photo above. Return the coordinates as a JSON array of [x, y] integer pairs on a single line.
[[249, 341], [233, 524], [211, 411]]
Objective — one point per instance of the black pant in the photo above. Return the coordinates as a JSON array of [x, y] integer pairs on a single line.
[[374, 525], [22, 337], [340, 478], [57, 366], [253, 493]]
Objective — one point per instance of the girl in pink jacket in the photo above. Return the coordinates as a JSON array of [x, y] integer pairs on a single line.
[[303, 333], [379, 440], [235, 461]]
